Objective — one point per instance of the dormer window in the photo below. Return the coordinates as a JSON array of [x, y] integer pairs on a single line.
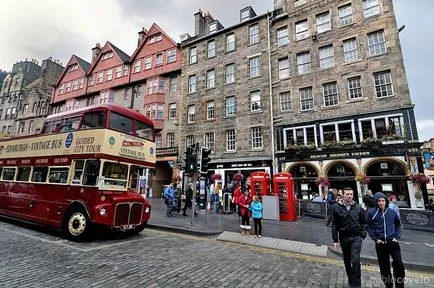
[[155, 38], [212, 28], [72, 67], [107, 55], [245, 15]]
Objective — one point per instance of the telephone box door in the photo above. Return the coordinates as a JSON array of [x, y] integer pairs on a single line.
[[283, 188], [260, 184]]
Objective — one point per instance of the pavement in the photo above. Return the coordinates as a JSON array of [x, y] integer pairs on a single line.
[[417, 247], [38, 257]]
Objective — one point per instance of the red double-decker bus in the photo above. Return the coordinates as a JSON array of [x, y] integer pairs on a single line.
[[84, 168]]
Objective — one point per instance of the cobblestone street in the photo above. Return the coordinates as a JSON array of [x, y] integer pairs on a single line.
[[33, 258]]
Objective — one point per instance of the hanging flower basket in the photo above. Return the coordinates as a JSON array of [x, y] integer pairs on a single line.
[[238, 177], [215, 177], [363, 179], [418, 179], [322, 180]]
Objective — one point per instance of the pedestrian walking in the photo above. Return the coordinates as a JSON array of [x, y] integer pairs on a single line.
[[384, 227], [256, 208], [243, 203], [368, 200], [169, 195], [331, 200], [348, 229], [393, 205]]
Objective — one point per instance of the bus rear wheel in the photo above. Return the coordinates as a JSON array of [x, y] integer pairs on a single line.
[[76, 225]]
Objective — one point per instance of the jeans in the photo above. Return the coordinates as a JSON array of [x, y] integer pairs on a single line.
[[351, 247], [245, 222], [384, 251], [258, 226]]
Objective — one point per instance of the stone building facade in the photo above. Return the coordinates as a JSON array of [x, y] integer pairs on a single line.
[[23, 73], [36, 97], [343, 106], [226, 94]]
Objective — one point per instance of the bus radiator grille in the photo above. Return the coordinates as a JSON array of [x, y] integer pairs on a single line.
[[128, 214], [136, 213], [122, 213]]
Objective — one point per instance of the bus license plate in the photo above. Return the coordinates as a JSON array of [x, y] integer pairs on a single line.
[[127, 227]]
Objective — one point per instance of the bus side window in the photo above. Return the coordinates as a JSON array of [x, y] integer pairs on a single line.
[[58, 175], [121, 123], [23, 174], [70, 124], [39, 174], [78, 171], [91, 171], [48, 127], [143, 130], [93, 120], [8, 174]]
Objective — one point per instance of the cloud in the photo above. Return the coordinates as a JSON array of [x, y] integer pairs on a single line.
[[425, 129]]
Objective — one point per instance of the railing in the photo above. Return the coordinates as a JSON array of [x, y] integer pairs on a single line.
[[167, 151]]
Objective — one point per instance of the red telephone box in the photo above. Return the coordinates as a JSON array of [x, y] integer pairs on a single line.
[[259, 184], [283, 188]]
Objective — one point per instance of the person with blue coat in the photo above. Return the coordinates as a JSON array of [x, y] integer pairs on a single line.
[[384, 227], [256, 208]]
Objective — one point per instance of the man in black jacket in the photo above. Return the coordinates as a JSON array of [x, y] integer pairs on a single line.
[[348, 227]]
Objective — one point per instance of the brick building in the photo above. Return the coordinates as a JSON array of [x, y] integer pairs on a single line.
[[147, 82], [225, 93], [343, 105]]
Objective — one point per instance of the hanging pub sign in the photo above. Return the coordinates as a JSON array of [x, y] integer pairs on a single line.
[[429, 160]]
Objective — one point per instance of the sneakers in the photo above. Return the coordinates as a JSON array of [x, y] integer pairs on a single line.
[[259, 236], [256, 236]]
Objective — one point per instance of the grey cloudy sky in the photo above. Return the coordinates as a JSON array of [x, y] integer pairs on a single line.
[[43, 28]]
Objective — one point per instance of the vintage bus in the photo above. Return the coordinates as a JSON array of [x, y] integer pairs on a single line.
[[83, 169]]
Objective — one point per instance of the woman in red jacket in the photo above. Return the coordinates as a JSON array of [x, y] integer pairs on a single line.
[[244, 202]]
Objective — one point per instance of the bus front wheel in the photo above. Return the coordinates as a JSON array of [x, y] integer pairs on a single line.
[[141, 227], [76, 225]]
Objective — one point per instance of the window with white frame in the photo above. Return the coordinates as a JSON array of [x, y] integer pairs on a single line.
[[283, 68], [282, 36], [370, 8], [137, 64], [172, 111], [396, 126], [245, 15], [193, 55], [377, 43], [75, 85], [152, 86], [379, 127], [170, 140], [80, 83], [159, 59], [254, 34], [285, 101], [306, 99], [326, 57], [154, 111], [210, 78], [230, 140], [230, 73], [189, 140], [171, 55], [173, 83], [256, 133], [301, 30], [299, 2], [191, 114], [230, 42], [158, 141], [346, 131], [355, 88], [148, 62], [300, 136], [161, 86], [346, 14], [90, 81], [100, 77], [254, 66], [148, 111], [109, 75], [21, 126], [160, 114], [212, 28], [230, 106], [30, 127], [192, 83], [323, 22], [209, 141], [329, 133], [255, 101], [350, 50], [210, 110], [61, 89], [303, 63], [383, 84], [211, 49], [68, 85], [330, 92], [126, 68]]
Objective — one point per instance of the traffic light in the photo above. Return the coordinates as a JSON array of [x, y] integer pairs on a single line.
[[204, 160], [191, 161]]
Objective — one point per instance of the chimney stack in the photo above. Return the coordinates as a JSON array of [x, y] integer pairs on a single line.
[[199, 23], [95, 52], [142, 35]]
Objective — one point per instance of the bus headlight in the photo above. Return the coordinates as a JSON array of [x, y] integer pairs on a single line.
[[102, 212], [147, 210]]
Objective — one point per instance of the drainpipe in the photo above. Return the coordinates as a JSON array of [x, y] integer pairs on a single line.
[[274, 162]]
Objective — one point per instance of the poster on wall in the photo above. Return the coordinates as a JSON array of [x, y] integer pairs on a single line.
[[429, 160]]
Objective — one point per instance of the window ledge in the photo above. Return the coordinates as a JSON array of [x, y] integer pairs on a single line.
[[353, 62], [284, 45], [304, 39], [331, 107], [347, 25], [210, 120], [307, 111], [256, 112], [230, 51], [257, 149], [356, 100], [378, 55], [385, 97], [191, 93], [254, 77], [232, 83], [230, 116], [192, 63], [210, 88], [253, 44], [230, 152]]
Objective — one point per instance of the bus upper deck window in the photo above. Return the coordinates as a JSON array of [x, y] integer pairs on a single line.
[[121, 123], [143, 130], [70, 124], [93, 120]]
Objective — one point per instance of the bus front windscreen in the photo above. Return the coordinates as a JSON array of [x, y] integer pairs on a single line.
[[114, 175]]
